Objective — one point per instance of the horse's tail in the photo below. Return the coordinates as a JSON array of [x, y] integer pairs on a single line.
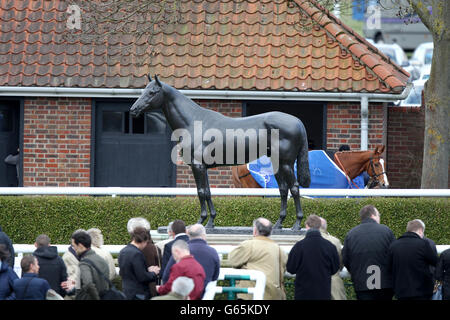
[[303, 174], [235, 176]]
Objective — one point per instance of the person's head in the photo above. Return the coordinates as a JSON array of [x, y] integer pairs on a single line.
[[262, 227], [183, 286], [81, 241], [180, 249], [140, 237], [416, 226], [96, 237], [178, 226], [4, 253], [344, 147], [169, 230], [313, 222], [29, 264], [323, 224], [137, 222], [369, 212], [42, 240], [196, 231]]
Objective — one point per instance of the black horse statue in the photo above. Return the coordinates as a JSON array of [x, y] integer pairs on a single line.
[[209, 139]]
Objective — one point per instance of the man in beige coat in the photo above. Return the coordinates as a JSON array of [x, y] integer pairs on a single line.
[[263, 254]]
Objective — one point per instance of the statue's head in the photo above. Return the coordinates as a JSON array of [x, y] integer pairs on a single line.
[[150, 99]]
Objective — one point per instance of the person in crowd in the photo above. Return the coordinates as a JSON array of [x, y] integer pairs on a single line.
[[443, 273], [313, 260], [4, 239], [151, 252], [207, 256], [186, 266], [7, 275], [179, 231], [162, 243], [337, 284], [71, 260], [51, 265], [263, 254], [136, 276], [96, 245], [181, 288], [410, 257], [30, 286], [433, 246], [92, 283], [365, 255]]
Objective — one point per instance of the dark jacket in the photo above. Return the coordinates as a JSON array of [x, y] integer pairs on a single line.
[[168, 250], [4, 239], [367, 245], [133, 270], [51, 267], [410, 258], [313, 260], [205, 255], [7, 277], [443, 273], [30, 287], [92, 284]]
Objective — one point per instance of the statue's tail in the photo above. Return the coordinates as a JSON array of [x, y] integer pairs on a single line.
[[303, 174]]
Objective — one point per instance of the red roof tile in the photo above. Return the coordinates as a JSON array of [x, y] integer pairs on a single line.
[[227, 45]]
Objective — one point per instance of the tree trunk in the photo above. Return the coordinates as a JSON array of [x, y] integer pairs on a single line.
[[437, 104]]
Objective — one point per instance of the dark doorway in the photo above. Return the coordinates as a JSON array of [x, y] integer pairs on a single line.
[[131, 152], [9, 143], [312, 114]]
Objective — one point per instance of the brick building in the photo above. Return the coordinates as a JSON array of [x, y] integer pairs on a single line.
[[65, 102]]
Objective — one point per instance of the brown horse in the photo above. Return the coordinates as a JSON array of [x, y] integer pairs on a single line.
[[351, 162]]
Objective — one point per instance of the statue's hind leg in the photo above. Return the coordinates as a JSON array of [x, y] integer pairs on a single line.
[[283, 187], [212, 210], [199, 172]]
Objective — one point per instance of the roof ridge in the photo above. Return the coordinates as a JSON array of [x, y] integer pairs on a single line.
[[348, 39]]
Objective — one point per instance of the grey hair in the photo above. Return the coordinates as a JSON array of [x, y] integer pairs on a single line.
[[196, 231], [181, 244], [263, 226], [96, 237], [323, 225], [133, 223], [183, 286]]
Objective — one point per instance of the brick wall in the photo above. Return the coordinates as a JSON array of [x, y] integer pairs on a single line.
[[405, 146], [57, 142], [218, 177], [344, 125]]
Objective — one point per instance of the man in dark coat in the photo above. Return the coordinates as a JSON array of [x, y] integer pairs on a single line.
[[136, 277], [51, 265], [7, 276], [179, 230], [365, 255], [313, 260], [206, 255], [4, 239], [410, 258], [443, 273], [30, 286]]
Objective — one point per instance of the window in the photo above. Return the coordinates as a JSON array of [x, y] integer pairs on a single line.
[[113, 121], [5, 121]]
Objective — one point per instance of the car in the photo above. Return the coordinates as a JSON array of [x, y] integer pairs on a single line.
[[423, 54], [425, 72], [396, 54], [414, 99]]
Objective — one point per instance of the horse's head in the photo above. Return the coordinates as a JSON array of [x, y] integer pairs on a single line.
[[151, 98], [376, 170]]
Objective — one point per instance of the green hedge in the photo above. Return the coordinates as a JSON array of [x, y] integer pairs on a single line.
[[25, 217]]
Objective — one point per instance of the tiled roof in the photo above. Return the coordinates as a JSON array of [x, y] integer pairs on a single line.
[[225, 45]]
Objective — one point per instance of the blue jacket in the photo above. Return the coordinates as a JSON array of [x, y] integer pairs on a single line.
[[7, 277], [36, 290], [205, 255]]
